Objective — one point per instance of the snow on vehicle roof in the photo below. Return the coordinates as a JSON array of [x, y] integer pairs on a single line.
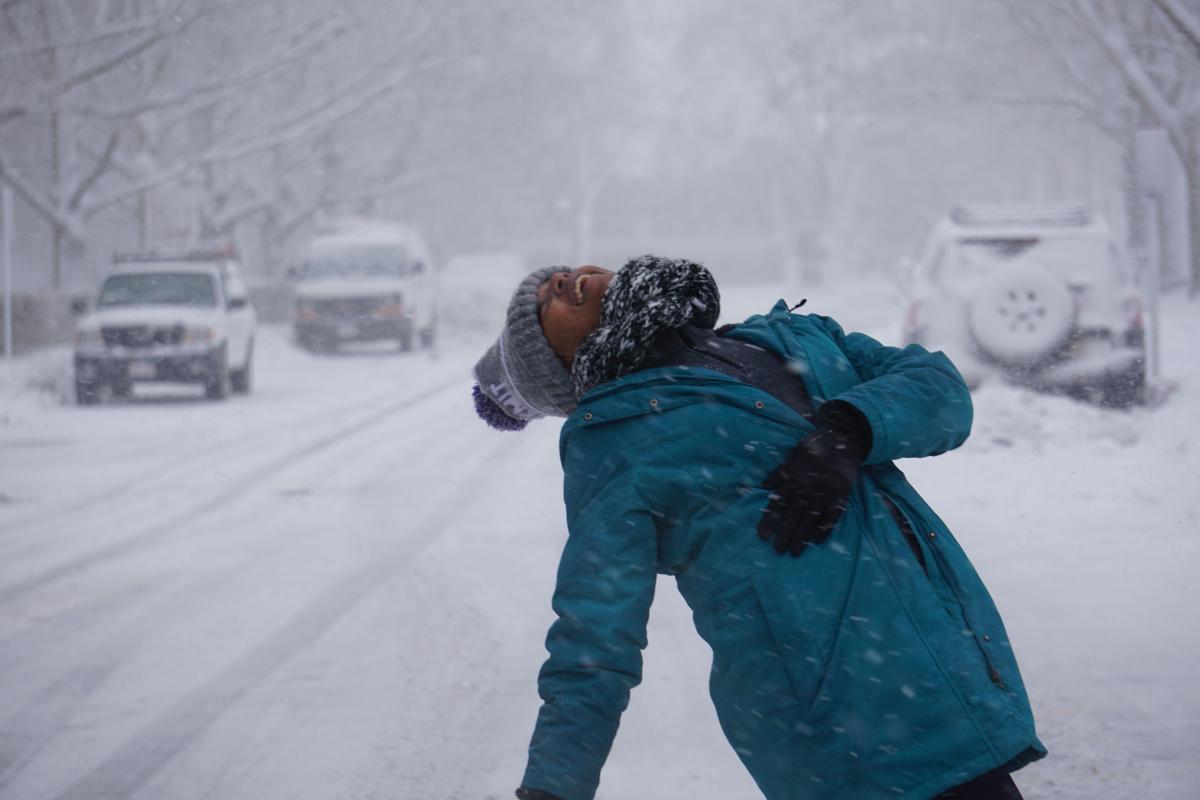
[[1071, 215], [169, 265], [369, 232], [1003, 222], [358, 236]]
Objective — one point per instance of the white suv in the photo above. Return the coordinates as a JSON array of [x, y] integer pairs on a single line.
[[1039, 296], [185, 319]]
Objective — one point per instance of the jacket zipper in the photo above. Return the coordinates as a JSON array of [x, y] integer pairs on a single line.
[[910, 537]]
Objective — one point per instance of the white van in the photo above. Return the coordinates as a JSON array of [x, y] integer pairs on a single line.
[[363, 282]]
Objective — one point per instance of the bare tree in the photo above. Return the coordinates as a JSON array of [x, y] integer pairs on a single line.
[[1184, 19], [590, 124], [57, 54], [238, 112], [838, 101], [1152, 52]]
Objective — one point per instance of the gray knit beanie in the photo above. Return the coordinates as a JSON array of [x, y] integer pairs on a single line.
[[520, 378]]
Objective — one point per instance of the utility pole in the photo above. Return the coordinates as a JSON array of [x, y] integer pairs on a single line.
[[6, 233], [1151, 149]]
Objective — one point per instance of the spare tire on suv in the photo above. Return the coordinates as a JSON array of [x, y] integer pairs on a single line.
[[1020, 315]]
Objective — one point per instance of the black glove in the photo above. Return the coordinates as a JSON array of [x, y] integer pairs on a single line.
[[810, 490], [535, 794]]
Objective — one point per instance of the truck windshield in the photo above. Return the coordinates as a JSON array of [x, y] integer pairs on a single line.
[[383, 261], [158, 289]]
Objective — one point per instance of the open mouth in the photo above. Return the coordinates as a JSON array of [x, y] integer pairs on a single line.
[[579, 282]]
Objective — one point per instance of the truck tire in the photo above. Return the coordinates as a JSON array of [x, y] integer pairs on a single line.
[[1019, 315], [242, 380], [316, 343], [216, 383], [86, 393]]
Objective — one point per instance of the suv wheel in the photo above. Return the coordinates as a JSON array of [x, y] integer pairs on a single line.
[[216, 385], [242, 380], [1020, 315], [427, 337], [1125, 389], [406, 340]]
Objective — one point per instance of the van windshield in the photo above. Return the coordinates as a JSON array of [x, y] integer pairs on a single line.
[[158, 289], [383, 261]]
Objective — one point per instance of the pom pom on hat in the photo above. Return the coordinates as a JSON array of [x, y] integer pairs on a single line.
[[493, 414]]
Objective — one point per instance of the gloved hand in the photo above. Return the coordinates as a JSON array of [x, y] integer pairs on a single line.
[[535, 794], [810, 490]]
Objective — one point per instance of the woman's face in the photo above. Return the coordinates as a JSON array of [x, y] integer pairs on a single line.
[[569, 308]]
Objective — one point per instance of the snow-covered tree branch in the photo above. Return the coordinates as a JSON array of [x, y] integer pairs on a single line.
[[1184, 19], [1131, 65]]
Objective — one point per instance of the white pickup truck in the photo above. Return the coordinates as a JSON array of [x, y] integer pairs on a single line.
[[181, 319]]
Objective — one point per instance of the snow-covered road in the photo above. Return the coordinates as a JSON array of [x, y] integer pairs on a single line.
[[338, 587]]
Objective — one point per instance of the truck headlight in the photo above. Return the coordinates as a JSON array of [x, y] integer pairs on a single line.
[[390, 308], [306, 310], [89, 338], [202, 335]]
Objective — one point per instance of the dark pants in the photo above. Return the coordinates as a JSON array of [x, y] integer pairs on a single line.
[[989, 786]]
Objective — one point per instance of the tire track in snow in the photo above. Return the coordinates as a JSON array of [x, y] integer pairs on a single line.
[[18, 648], [163, 474], [160, 531], [26, 733], [52, 628], [40, 719], [152, 748]]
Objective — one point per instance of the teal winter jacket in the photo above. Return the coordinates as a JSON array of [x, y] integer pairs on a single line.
[[852, 672]]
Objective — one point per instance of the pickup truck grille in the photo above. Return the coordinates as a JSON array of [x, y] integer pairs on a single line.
[[134, 336]]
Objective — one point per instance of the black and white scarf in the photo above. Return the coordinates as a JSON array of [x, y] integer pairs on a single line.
[[648, 296]]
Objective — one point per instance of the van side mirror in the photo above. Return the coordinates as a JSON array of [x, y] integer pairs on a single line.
[[79, 306], [238, 302]]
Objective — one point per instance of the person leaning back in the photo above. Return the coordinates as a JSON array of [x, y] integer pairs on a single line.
[[874, 666]]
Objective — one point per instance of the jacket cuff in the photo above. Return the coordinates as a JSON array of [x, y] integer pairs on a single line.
[[569, 747], [845, 418], [525, 793]]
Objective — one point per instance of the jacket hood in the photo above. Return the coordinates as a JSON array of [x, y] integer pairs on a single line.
[[659, 389]]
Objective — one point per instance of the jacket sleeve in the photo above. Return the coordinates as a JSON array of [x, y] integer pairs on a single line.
[[606, 581], [916, 402]]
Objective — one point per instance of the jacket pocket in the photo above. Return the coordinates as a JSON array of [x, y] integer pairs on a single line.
[[906, 530], [803, 627]]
